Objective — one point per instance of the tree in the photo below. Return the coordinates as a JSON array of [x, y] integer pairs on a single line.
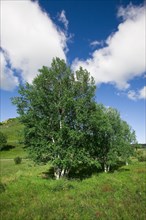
[[127, 139], [57, 110], [114, 138], [3, 140]]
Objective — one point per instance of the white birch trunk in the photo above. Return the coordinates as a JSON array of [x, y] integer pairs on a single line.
[[127, 163], [53, 140], [57, 174], [105, 168], [60, 124], [62, 173]]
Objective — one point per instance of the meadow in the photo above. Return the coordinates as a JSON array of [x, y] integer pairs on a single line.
[[27, 193]]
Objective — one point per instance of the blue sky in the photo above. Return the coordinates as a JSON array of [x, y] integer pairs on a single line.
[[104, 36]]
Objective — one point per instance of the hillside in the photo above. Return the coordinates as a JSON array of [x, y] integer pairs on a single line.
[[13, 129]]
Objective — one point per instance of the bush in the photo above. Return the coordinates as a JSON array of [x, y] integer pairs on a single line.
[[142, 158], [2, 187], [3, 140], [17, 160]]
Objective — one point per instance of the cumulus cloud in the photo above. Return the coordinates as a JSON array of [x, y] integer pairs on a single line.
[[141, 94], [8, 80], [30, 38], [63, 19], [123, 57]]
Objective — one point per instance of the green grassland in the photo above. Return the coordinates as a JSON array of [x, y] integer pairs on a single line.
[[27, 193], [13, 129]]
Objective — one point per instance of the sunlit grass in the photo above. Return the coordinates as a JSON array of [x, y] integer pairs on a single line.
[[118, 195]]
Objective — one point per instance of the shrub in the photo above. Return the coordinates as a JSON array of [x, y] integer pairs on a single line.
[[17, 160], [142, 158], [3, 140], [2, 187]]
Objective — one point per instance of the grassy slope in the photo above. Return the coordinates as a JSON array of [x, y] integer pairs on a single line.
[[13, 129]]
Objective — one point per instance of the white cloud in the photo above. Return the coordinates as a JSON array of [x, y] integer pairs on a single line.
[[63, 19], [96, 42], [7, 79], [124, 56], [141, 94], [30, 39], [132, 95]]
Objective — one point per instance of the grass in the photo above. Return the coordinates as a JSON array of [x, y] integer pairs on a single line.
[[13, 129], [118, 195], [10, 154], [27, 195]]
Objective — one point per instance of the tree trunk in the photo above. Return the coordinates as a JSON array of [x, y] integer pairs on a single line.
[[53, 140], [105, 168], [57, 174], [60, 123], [62, 174], [127, 163]]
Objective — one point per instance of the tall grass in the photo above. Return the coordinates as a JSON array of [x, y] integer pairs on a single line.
[[118, 195]]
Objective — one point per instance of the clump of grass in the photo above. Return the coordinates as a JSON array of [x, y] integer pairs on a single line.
[[61, 185], [17, 160], [2, 187]]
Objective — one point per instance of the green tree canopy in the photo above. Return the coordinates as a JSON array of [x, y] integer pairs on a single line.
[[64, 125], [56, 110], [114, 138]]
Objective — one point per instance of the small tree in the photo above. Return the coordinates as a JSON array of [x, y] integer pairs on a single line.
[[3, 140], [127, 138], [114, 138]]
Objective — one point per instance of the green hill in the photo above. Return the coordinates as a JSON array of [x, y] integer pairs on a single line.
[[13, 129]]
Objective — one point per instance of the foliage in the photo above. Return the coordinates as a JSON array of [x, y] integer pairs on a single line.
[[141, 155], [17, 160], [142, 158], [3, 140], [64, 125], [56, 112], [114, 138]]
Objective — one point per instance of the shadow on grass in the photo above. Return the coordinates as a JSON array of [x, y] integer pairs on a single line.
[[118, 167], [83, 172], [49, 174], [123, 169], [7, 147], [78, 173]]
